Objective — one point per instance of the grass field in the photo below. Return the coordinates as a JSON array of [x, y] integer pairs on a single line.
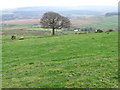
[[80, 61], [103, 26], [105, 23]]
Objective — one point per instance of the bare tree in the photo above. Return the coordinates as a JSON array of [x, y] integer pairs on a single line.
[[54, 20]]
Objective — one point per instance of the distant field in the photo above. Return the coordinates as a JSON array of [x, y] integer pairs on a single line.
[[37, 21], [22, 22], [103, 26], [32, 30], [105, 23], [68, 61], [97, 22]]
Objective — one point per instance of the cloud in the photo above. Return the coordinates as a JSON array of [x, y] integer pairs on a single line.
[[25, 3]]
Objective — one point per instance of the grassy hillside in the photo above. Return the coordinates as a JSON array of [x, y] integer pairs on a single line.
[[103, 26], [82, 61], [71, 11], [105, 23]]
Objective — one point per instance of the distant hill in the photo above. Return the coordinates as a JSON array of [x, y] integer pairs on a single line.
[[37, 11], [111, 13]]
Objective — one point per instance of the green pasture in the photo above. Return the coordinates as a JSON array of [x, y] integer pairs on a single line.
[[66, 61], [105, 23], [103, 26]]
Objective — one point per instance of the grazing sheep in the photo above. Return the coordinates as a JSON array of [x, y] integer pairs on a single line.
[[21, 38], [110, 30], [76, 30], [13, 37], [99, 31]]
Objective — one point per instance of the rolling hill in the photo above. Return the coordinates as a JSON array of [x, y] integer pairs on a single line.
[[37, 12], [76, 61]]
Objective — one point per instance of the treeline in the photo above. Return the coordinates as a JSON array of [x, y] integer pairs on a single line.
[[112, 13]]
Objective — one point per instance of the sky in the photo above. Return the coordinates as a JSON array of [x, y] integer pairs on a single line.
[[6, 4]]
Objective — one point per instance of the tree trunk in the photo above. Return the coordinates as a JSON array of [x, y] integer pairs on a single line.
[[53, 31]]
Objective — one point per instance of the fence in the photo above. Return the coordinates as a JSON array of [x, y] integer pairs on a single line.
[[56, 65], [66, 79]]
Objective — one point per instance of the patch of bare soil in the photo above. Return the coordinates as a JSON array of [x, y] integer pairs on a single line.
[[22, 22]]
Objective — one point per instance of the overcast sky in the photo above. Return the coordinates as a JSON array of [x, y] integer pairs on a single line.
[[25, 3]]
